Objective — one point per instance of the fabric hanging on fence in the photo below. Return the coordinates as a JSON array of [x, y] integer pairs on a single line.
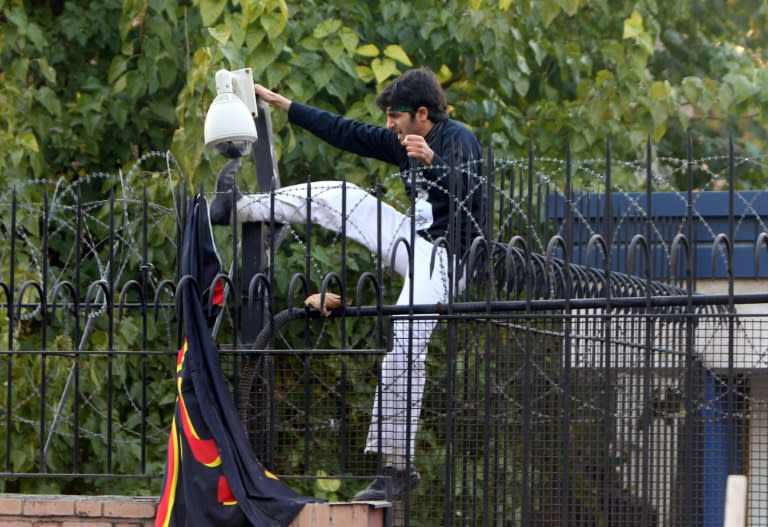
[[212, 476]]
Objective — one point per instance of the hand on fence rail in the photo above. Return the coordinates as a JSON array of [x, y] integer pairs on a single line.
[[330, 302]]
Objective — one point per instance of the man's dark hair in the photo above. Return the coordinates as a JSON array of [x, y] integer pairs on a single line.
[[413, 89]]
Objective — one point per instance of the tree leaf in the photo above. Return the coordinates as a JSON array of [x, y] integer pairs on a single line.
[[761, 80], [692, 89], [660, 90], [210, 10], [321, 77], [368, 50], [548, 11], [236, 30], [326, 28], [117, 68], [327, 484], [220, 33], [27, 141], [334, 48], [47, 97], [276, 73], [251, 12], [18, 17], [603, 76], [163, 110], [522, 85], [349, 38], [383, 69], [273, 23], [396, 52], [741, 87], [311, 43], [570, 6], [538, 53], [46, 70], [633, 26], [444, 73], [37, 36], [522, 64], [365, 73], [725, 97]]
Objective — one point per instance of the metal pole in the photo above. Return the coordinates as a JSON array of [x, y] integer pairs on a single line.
[[256, 236], [258, 243]]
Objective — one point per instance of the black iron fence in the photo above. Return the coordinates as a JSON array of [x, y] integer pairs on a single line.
[[605, 364]]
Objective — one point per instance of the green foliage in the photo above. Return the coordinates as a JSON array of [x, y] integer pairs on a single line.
[[326, 488], [85, 89]]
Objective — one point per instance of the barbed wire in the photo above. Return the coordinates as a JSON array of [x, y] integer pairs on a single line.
[[547, 171]]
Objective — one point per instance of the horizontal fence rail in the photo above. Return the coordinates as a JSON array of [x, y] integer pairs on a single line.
[[602, 358]]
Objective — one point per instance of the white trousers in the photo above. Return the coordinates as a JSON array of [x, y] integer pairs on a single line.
[[395, 417]]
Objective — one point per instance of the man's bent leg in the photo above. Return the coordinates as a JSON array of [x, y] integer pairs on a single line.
[[321, 204]]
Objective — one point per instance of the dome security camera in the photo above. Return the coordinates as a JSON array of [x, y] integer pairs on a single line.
[[230, 127]]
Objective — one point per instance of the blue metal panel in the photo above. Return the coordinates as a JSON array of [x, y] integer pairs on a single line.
[[669, 213]]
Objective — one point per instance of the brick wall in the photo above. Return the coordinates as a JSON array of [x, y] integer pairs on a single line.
[[18, 510], [21, 510]]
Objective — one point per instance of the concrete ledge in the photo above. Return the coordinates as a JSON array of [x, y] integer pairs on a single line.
[[355, 514]]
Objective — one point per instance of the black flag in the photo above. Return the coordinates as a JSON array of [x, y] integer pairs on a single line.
[[212, 476]]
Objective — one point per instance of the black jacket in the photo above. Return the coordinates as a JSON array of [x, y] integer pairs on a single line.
[[455, 169]]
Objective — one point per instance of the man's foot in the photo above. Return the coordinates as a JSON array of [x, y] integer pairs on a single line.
[[220, 211], [390, 484]]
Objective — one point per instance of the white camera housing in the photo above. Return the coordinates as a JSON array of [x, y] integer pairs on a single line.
[[230, 126]]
